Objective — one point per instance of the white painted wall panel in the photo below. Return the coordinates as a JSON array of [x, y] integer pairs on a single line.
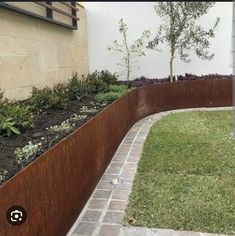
[[102, 18]]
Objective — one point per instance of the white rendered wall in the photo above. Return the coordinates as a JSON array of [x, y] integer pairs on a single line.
[[102, 18]]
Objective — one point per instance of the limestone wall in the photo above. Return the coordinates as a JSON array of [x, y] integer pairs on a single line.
[[38, 53]]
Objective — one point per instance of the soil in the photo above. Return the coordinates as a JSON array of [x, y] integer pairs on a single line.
[[142, 81], [53, 117]]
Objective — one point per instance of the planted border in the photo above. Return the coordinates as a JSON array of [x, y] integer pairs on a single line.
[[54, 188]]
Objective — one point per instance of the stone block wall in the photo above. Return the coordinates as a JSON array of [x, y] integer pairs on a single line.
[[38, 53]]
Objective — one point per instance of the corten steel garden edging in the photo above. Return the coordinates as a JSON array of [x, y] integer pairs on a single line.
[[54, 188]]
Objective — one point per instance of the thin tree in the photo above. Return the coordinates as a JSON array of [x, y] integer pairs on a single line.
[[181, 31], [130, 52]]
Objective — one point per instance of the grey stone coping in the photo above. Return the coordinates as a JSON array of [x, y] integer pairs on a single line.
[[103, 213]]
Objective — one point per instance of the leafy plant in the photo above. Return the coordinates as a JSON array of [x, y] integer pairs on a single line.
[[7, 126], [76, 117], [65, 126], [2, 99], [46, 98], [118, 88], [85, 109], [28, 152], [78, 89], [61, 90], [3, 175], [130, 53], [99, 81], [109, 96], [20, 114], [14, 118], [96, 83], [181, 32], [115, 91], [108, 77], [68, 124]]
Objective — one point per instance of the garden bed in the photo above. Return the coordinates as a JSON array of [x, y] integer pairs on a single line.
[[54, 188], [46, 118], [42, 122], [49, 116]]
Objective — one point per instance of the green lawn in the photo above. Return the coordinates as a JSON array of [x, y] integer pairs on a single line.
[[186, 175]]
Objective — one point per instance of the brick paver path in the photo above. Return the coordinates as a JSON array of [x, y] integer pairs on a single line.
[[104, 211]]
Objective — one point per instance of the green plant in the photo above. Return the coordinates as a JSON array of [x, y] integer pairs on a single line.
[[14, 118], [78, 88], [1, 94], [95, 83], [46, 98], [118, 88], [181, 32], [76, 117], [61, 90], [65, 126], [2, 99], [7, 126], [28, 152], [108, 77], [85, 109], [108, 97], [68, 124], [3, 175], [115, 91], [130, 53]]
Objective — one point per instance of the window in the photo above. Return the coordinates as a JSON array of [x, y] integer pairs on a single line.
[[59, 13]]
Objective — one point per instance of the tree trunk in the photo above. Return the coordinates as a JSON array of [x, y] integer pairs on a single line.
[[128, 66], [172, 40], [171, 69]]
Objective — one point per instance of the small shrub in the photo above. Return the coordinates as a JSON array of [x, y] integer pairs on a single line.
[[115, 91], [46, 98], [78, 89], [108, 77], [96, 84], [107, 97], [61, 90], [14, 118], [100, 81], [118, 88]]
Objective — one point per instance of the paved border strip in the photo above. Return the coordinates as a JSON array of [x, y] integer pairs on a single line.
[[103, 213]]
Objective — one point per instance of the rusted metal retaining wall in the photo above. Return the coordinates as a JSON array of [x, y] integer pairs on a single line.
[[54, 188]]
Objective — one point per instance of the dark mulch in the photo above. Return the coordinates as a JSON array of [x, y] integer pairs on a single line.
[[142, 81]]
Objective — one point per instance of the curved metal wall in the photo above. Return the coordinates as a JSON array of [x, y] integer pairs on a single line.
[[54, 188]]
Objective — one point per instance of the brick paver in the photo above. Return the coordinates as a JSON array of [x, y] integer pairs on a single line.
[[105, 209], [108, 230]]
